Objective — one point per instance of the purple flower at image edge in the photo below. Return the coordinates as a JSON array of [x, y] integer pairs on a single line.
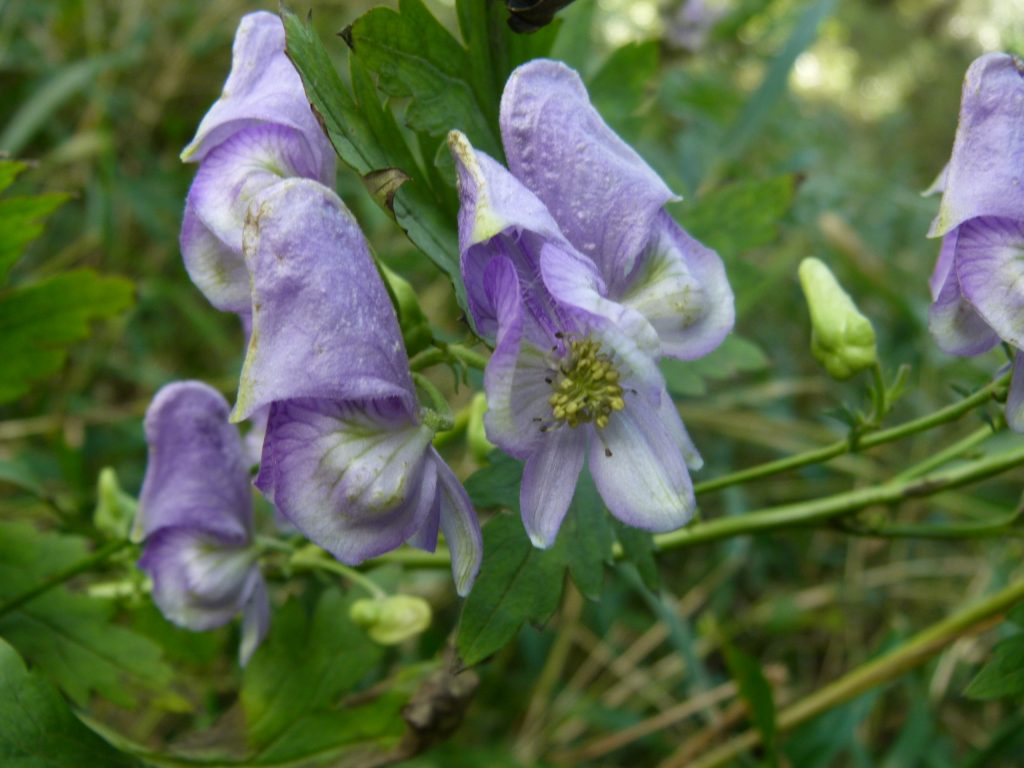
[[978, 282], [195, 515], [572, 264], [347, 457]]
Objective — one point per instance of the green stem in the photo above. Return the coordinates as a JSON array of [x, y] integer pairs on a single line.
[[892, 665], [819, 510], [312, 558], [948, 454], [818, 455], [67, 574], [799, 514], [445, 354]]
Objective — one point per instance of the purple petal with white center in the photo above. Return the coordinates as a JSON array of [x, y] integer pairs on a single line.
[[460, 526], [640, 471], [201, 580], [989, 264], [549, 482], [955, 325], [984, 174], [255, 622], [515, 377], [681, 288], [600, 191], [263, 87], [323, 324], [197, 474], [498, 216], [352, 476], [1015, 397], [215, 269], [668, 415], [944, 264]]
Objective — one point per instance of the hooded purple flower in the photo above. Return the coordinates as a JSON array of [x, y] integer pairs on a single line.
[[195, 513], [259, 131], [609, 204], [572, 263], [978, 283], [346, 457]]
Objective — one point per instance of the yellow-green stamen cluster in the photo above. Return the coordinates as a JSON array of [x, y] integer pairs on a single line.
[[587, 386]]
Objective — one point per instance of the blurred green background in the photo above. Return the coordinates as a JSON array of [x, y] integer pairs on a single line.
[[856, 117]]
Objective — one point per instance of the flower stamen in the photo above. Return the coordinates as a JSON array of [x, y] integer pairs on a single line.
[[586, 387]]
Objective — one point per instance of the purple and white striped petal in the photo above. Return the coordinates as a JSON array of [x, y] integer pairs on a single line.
[[197, 475], [200, 579], [215, 269], [517, 393], [323, 324], [944, 263], [603, 195], [984, 174], [263, 87], [639, 469], [954, 324], [549, 482], [989, 265], [680, 287], [460, 526], [352, 476]]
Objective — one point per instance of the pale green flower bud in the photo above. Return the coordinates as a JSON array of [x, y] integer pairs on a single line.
[[115, 509], [842, 339], [390, 620]]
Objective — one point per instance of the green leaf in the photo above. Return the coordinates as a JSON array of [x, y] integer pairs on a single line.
[[757, 693], [73, 638], [760, 204], [1003, 675], [517, 583], [736, 355], [1016, 615], [585, 539], [306, 664], [624, 82], [9, 171], [415, 57], [21, 221], [37, 730], [366, 137], [39, 322], [496, 486], [638, 549]]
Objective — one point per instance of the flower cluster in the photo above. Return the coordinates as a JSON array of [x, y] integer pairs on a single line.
[[978, 283], [346, 455], [583, 279]]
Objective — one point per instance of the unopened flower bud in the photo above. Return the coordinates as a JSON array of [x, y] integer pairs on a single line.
[[842, 339], [390, 620], [115, 509]]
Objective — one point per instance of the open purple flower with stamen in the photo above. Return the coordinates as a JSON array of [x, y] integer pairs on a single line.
[[258, 132], [978, 283], [195, 513], [347, 455], [610, 205], [573, 377]]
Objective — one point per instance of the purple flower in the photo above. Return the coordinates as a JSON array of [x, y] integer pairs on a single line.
[[195, 513], [346, 457], [573, 265], [259, 131], [609, 204], [978, 283]]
